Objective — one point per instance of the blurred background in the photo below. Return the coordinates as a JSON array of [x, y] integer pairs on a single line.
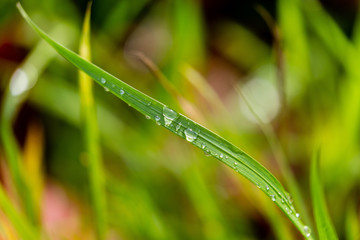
[[279, 79]]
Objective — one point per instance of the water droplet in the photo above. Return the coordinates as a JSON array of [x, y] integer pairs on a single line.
[[149, 103], [113, 85], [207, 153], [221, 155], [147, 116], [157, 119], [289, 198], [267, 188], [122, 92], [282, 201], [273, 198], [235, 163], [169, 115], [297, 215], [307, 231], [178, 127], [106, 89], [226, 157], [258, 185], [103, 80], [190, 134], [203, 146]]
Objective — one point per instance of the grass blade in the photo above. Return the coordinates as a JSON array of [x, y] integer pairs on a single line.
[[183, 127], [91, 135], [352, 222], [280, 157], [13, 155], [33, 160], [22, 81], [323, 222], [24, 228]]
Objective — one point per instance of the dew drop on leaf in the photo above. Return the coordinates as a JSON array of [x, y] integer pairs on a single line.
[[207, 153], [103, 80], [289, 198], [169, 115], [273, 198], [157, 119], [307, 231], [190, 135]]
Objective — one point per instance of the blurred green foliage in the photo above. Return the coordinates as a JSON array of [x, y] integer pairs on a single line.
[[158, 186]]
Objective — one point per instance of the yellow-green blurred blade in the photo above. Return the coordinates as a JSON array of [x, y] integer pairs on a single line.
[[22, 226], [91, 136], [323, 222], [352, 222]]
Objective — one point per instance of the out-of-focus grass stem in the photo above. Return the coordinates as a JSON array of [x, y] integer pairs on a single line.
[[91, 136]]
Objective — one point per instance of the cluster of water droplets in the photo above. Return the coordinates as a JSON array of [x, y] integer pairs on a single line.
[[307, 231], [287, 201], [191, 135]]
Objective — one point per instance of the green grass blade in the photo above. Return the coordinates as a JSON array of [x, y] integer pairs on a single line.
[[121, 15], [91, 136], [188, 37], [22, 226], [332, 36], [21, 82], [293, 28], [280, 158], [185, 128], [13, 155], [352, 222], [323, 222]]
